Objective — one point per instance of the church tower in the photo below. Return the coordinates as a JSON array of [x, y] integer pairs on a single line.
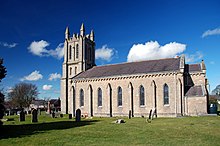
[[79, 56]]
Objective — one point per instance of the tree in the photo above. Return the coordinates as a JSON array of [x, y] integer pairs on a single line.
[[3, 72], [2, 108], [22, 94], [216, 91]]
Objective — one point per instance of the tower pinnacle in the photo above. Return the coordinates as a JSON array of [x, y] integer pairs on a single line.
[[67, 33], [82, 30], [92, 37]]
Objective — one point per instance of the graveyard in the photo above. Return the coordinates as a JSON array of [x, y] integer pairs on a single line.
[[46, 130]]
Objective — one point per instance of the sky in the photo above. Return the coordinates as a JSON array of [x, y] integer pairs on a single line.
[[32, 34]]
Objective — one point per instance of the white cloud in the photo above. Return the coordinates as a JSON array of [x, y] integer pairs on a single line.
[[54, 76], [153, 50], [39, 48], [47, 87], [194, 57], [34, 76], [58, 52], [105, 53], [211, 32], [7, 45]]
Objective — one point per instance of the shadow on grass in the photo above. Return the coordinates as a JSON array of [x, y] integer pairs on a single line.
[[13, 131]]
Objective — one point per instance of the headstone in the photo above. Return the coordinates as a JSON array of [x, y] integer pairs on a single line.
[[61, 115], [153, 113], [150, 114], [78, 115], [22, 115], [129, 116], [53, 114], [119, 121], [34, 116], [39, 111], [149, 118], [70, 116]]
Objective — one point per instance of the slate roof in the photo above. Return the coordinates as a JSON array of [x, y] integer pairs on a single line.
[[55, 102], [38, 102], [142, 67], [193, 68], [195, 91]]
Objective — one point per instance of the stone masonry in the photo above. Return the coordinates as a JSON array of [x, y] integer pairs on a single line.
[[187, 92]]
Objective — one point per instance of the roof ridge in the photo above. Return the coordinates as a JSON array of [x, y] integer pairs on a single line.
[[194, 64], [133, 62]]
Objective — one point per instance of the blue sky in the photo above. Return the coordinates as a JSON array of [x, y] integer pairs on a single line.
[[32, 33]]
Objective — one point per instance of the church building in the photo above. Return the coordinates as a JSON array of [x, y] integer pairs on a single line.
[[168, 85]]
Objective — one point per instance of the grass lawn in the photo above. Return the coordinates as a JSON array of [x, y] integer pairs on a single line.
[[101, 131]]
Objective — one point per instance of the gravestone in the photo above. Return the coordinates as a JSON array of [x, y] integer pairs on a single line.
[[129, 116], [149, 118], [78, 115], [22, 115], [153, 113], [70, 116], [61, 115], [53, 114], [150, 114], [39, 111], [119, 121], [34, 115]]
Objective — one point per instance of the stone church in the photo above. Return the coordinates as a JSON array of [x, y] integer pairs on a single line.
[[169, 85]]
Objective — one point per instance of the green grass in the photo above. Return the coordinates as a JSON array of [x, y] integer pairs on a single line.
[[101, 131]]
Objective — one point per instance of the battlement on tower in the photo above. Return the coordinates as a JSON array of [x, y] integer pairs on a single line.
[[77, 36]]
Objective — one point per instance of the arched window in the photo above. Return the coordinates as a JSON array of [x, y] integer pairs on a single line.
[[77, 50], [99, 97], [81, 97], [74, 53], [70, 52], [70, 70], [166, 94], [75, 70], [119, 96], [141, 95]]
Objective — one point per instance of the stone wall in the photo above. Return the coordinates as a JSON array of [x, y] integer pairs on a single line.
[[196, 105], [126, 83]]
